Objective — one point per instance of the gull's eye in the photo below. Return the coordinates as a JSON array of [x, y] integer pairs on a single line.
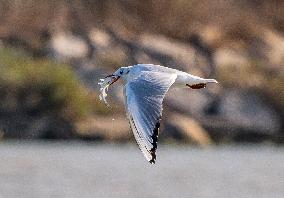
[[121, 72]]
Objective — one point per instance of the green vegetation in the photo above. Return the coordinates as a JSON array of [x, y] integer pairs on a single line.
[[42, 84]]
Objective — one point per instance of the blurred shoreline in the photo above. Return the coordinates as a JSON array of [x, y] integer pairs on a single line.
[[111, 144], [53, 53]]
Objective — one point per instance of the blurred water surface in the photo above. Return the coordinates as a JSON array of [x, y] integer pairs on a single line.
[[39, 169]]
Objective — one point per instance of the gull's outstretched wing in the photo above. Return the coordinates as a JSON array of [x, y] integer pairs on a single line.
[[144, 96]]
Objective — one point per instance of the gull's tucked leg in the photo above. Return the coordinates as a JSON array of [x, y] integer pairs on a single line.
[[197, 86]]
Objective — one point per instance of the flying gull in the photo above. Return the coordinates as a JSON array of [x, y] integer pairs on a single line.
[[144, 91]]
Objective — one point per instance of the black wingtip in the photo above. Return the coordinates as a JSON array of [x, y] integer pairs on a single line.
[[153, 154], [152, 161], [155, 140]]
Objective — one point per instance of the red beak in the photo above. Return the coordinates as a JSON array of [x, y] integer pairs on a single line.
[[114, 78]]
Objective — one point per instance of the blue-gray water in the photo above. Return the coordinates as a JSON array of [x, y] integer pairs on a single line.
[[78, 170]]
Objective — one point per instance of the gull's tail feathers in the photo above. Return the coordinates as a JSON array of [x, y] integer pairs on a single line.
[[210, 81]]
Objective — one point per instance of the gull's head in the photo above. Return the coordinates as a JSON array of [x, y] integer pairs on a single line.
[[117, 75]]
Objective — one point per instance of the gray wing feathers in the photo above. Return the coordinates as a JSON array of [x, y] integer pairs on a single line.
[[144, 98]]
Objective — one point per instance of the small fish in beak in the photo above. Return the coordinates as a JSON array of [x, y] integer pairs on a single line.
[[104, 84]]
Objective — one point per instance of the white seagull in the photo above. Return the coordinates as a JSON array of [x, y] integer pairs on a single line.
[[144, 91]]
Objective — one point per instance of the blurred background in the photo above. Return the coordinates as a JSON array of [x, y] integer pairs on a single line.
[[58, 140]]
